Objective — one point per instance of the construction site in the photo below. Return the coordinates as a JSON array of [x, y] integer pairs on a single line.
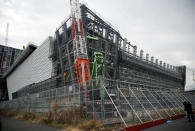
[[89, 63]]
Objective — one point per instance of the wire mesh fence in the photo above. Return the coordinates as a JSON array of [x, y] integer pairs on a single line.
[[110, 103]]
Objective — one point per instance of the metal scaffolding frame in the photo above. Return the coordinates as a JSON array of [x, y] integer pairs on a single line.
[[127, 104], [137, 89]]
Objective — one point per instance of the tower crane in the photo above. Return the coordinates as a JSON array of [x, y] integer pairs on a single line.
[[79, 46], [3, 69]]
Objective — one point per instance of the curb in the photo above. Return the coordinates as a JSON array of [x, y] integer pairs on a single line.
[[152, 123], [145, 125], [176, 117]]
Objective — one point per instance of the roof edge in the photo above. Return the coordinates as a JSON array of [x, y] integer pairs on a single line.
[[30, 48]]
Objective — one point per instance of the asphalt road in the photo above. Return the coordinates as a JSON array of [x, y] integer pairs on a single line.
[[21, 125], [178, 125]]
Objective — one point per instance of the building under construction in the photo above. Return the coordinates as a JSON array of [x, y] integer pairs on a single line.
[[11, 54], [124, 86]]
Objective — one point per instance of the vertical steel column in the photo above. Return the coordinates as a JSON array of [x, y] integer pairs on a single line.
[[115, 107], [60, 54], [116, 64], [69, 62]]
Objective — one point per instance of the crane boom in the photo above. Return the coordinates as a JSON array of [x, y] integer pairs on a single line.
[[78, 35], [79, 44]]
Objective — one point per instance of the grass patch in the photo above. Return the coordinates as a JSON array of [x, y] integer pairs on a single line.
[[72, 119], [93, 125]]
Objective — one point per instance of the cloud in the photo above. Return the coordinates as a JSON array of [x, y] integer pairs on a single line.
[[9, 2], [30, 20], [165, 29]]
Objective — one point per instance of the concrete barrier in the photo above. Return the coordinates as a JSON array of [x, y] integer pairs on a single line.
[[145, 125]]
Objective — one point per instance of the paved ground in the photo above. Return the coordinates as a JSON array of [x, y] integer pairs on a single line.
[[178, 125], [21, 125]]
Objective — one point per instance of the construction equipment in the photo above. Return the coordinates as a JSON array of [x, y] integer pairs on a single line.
[[98, 67], [193, 76], [80, 50], [79, 45], [3, 69], [99, 71], [92, 37]]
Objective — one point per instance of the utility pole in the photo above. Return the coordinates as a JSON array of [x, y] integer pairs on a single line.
[[7, 31]]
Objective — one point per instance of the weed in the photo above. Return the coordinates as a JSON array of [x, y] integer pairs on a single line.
[[93, 125]]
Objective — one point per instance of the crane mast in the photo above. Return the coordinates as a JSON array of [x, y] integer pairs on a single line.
[[3, 69], [79, 45]]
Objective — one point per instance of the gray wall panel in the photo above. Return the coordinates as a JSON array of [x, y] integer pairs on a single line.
[[37, 67]]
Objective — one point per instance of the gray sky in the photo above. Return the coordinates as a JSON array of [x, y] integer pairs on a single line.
[[162, 28]]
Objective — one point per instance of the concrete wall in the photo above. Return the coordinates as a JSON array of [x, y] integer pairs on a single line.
[[37, 67]]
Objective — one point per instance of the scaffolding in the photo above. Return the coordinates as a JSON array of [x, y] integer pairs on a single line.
[[136, 89], [128, 104]]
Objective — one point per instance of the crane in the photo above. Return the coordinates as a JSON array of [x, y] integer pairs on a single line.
[[79, 46], [98, 71], [3, 69]]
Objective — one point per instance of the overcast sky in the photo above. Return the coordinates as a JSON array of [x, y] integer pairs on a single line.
[[162, 28]]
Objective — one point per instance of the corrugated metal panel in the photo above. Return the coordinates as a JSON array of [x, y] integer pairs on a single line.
[[37, 67]]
